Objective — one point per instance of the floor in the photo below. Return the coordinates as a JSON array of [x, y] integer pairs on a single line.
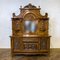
[[5, 54]]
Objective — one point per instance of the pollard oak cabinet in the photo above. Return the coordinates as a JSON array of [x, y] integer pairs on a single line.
[[30, 34]]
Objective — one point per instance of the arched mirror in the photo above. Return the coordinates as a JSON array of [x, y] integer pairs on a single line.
[[30, 24]]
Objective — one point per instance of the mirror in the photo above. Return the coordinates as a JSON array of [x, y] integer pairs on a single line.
[[29, 26]]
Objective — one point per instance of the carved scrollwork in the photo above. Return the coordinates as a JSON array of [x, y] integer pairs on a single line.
[[42, 27], [43, 44], [16, 43], [30, 46]]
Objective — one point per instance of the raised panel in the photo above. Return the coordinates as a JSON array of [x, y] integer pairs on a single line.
[[43, 44], [16, 44]]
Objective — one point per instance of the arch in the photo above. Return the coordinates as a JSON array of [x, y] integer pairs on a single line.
[[29, 16]]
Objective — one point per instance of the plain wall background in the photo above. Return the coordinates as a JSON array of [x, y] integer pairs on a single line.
[[7, 7]]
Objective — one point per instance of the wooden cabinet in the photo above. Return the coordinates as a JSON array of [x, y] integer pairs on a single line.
[[30, 32]]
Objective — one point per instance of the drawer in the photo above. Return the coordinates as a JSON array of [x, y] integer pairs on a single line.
[[30, 39], [31, 46]]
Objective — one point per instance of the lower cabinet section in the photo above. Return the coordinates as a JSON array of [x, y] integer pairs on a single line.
[[30, 45]]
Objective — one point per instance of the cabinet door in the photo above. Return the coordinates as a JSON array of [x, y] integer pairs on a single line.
[[16, 44], [44, 44]]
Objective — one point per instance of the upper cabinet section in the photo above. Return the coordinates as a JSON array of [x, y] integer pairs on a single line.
[[30, 21]]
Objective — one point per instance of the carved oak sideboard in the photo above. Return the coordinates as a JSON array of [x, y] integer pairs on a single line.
[[30, 32]]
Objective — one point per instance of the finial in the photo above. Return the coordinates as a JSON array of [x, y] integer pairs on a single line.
[[39, 6], [20, 6], [29, 3], [13, 14], [46, 14]]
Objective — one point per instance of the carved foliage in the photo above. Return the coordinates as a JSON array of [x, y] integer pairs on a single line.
[[43, 44], [32, 46], [16, 43]]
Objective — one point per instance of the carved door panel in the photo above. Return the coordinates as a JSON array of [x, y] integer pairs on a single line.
[[43, 44], [17, 43], [17, 24]]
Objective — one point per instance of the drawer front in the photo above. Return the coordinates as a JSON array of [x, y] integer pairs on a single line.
[[30, 46], [30, 39]]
